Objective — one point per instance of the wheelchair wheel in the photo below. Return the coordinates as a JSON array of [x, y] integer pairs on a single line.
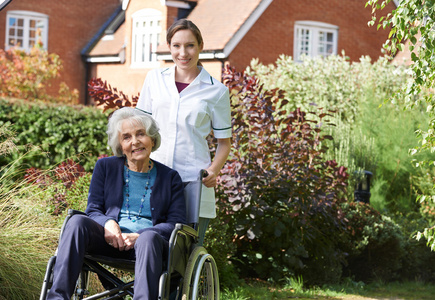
[[201, 280], [48, 278], [81, 288]]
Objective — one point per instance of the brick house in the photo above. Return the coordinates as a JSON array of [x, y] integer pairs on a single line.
[[129, 38]]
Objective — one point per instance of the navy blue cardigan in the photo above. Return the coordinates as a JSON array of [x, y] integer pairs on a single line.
[[105, 197]]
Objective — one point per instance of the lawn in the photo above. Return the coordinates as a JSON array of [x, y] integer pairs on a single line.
[[347, 291]]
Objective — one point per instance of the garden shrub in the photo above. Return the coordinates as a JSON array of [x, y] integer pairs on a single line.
[[61, 131], [106, 97], [63, 187], [332, 82], [375, 244], [396, 184], [221, 246], [370, 134], [277, 192], [419, 260]]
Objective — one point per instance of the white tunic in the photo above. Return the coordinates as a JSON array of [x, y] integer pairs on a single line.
[[185, 120]]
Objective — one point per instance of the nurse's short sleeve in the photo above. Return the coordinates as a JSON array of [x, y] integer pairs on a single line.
[[221, 116], [145, 101]]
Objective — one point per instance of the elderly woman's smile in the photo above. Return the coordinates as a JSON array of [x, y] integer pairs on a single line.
[[136, 145]]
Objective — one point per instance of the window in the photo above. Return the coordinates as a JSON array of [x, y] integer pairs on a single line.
[[24, 29], [145, 38], [314, 39]]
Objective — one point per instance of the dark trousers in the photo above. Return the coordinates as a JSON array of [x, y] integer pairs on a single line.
[[83, 235]]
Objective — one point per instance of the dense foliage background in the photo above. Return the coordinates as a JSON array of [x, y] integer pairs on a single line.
[[411, 29], [285, 199], [60, 131]]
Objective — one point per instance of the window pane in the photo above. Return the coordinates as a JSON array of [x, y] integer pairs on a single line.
[[32, 23], [150, 53], [321, 49], [330, 36], [143, 48], [21, 22], [12, 22], [20, 33], [321, 36], [40, 24]]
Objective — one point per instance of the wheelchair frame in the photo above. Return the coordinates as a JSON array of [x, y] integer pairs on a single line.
[[190, 273]]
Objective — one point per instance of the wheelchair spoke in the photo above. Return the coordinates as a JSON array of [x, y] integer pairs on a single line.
[[206, 283]]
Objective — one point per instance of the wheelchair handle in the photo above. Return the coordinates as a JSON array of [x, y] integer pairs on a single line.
[[203, 173]]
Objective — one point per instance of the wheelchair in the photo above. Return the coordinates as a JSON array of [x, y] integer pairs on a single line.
[[190, 272]]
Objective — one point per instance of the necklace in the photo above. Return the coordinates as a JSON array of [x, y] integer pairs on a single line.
[[127, 192]]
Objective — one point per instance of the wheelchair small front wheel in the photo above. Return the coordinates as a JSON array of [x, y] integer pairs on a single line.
[[81, 288], [201, 279]]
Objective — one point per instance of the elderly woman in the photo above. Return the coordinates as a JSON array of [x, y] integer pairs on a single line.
[[133, 206]]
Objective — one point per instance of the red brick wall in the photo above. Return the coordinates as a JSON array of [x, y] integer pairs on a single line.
[[273, 33], [71, 25]]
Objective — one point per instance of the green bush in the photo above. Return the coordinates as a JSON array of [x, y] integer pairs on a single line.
[[279, 195], [222, 247], [332, 82], [60, 131], [369, 134], [376, 244]]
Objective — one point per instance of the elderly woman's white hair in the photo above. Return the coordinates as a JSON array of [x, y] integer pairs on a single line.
[[135, 116]]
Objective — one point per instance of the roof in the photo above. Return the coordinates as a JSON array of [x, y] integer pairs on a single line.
[[223, 24], [109, 42]]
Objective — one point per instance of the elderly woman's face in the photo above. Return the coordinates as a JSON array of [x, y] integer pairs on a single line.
[[135, 144]]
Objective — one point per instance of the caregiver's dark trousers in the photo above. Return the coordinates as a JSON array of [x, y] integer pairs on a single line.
[[83, 235]]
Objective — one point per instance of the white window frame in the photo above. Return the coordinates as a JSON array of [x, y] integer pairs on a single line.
[[309, 39], [26, 29], [145, 38]]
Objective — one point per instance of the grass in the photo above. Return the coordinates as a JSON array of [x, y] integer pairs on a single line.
[[348, 290], [25, 237]]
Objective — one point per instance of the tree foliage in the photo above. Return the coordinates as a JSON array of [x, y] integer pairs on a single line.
[[28, 75], [412, 24]]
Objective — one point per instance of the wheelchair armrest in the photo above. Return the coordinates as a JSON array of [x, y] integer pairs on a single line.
[[182, 229], [72, 212], [187, 229]]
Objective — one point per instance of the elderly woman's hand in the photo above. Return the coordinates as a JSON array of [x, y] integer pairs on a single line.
[[113, 236], [130, 240]]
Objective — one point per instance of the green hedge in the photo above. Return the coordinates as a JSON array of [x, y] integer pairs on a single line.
[[60, 131]]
